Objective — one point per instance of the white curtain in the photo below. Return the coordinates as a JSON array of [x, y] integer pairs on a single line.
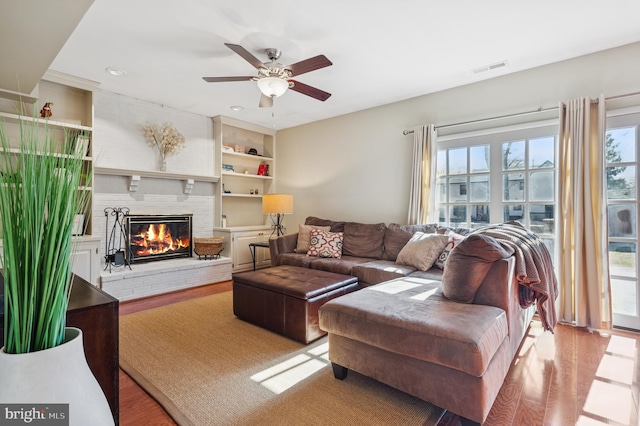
[[423, 173], [585, 289]]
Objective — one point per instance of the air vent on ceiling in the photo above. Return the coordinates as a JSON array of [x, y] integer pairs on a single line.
[[489, 67]]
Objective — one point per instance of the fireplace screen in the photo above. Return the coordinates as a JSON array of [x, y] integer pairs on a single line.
[[158, 237]]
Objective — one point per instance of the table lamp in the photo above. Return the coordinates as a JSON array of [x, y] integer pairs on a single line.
[[277, 205]]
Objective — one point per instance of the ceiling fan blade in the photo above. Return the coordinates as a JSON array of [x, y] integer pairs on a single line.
[[310, 64], [265, 101], [246, 55], [305, 89], [220, 79]]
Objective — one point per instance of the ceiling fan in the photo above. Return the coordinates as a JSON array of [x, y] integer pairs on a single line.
[[274, 79]]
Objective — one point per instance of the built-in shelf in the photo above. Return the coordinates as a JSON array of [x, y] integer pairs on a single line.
[[253, 157], [246, 175], [7, 116], [154, 174], [18, 151], [241, 195]]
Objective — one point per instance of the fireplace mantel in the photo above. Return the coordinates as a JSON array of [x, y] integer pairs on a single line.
[[153, 174], [136, 175]]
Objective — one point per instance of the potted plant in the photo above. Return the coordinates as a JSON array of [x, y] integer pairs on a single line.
[[40, 193]]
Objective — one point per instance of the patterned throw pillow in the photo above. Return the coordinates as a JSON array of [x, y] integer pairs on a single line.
[[325, 244], [304, 236], [454, 240], [422, 250]]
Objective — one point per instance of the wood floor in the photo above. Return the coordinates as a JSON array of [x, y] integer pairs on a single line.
[[571, 377]]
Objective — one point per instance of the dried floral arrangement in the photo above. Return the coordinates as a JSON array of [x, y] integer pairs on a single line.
[[166, 138]]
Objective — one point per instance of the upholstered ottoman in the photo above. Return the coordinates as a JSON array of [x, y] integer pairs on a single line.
[[285, 299]]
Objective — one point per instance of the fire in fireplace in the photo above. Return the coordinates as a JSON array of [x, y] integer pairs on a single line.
[[158, 237]]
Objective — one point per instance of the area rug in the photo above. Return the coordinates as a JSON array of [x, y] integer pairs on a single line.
[[206, 367]]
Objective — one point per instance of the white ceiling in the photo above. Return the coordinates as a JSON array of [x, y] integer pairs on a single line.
[[382, 52]]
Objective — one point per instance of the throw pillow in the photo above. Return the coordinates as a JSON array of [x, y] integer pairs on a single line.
[[325, 244], [468, 264], [422, 250], [454, 240], [304, 236], [397, 236]]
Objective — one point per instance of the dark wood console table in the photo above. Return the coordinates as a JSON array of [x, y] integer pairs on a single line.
[[96, 314]]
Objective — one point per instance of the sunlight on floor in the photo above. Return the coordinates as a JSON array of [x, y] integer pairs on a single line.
[[288, 373], [609, 401], [611, 394]]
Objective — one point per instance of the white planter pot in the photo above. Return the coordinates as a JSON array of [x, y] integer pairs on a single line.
[[59, 375]]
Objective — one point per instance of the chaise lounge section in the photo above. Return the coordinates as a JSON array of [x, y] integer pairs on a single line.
[[407, 334], [447, 334]]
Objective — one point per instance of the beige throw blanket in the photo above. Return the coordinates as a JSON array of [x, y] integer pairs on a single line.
[[534, 268]]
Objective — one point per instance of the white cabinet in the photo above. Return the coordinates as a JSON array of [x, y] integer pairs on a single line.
[[85, 258], [244, 177], [236, 246]]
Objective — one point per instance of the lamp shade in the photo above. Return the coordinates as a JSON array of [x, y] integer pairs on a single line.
[[277, 203], [273, 86]]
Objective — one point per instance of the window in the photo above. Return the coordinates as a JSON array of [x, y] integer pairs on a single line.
[[621, 146], [499, 176]]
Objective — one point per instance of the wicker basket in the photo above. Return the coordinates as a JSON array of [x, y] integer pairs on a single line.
[[208, 246]]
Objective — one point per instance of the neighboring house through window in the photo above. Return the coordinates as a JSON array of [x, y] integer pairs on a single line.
[[497, 176]]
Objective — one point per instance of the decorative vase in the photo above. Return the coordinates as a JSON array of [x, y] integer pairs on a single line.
[[59, 375], [163, 164]]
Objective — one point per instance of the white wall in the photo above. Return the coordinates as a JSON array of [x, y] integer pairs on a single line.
[[119, 139], [357, 166], [119, 143]]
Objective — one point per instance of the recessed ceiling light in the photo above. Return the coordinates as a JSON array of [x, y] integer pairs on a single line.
[[237, 108], [115, 71]]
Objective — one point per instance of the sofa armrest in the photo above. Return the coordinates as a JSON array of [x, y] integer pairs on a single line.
[[282, 244], [501, 289]]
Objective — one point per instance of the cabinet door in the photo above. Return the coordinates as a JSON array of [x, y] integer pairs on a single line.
[[241, 253], [85, 262], [81, 263]]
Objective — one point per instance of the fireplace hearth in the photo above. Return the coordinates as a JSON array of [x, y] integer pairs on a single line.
[[158, 237]]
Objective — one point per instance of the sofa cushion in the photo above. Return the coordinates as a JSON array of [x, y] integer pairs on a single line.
[[409, 316], [335, 226], [422, 250], [343, 265], [468, 265], [397, 236], [304, 236], [364, 240], [378, 271], [294, 259], [431, 274], [325, 244]]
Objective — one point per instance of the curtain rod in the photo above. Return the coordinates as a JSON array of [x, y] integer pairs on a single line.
[[517, 114]]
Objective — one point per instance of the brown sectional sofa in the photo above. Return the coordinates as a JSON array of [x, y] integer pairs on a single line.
[[401, 330]]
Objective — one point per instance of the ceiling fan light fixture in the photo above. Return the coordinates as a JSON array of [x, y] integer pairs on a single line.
[[273, 86]]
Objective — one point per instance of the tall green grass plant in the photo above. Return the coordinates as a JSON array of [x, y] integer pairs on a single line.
[[39, 197]]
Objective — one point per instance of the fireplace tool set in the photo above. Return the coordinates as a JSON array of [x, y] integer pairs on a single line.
[[114, 251]]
